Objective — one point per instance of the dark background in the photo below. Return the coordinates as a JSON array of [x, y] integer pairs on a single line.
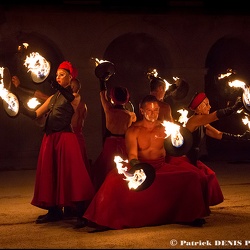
[[193, 40]]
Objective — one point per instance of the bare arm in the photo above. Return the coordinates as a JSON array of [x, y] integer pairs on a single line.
[[199, 120], [104, 100], [131, 143], [76, 101], [40, 95], [36, 93], [213, 132]]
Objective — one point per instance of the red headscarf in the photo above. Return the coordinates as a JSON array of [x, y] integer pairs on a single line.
[[197, 100], [69, 67]]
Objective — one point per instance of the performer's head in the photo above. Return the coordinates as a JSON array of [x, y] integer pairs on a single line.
[[196, 100], [119, 95], [66, 65], [149, 108]]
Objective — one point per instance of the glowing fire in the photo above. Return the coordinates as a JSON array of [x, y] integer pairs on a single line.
[[155, 74], [134, 180], [173, 130], [9, 98], [246, 121], [224, 75], [99, 61], [246, 90], [37, 64], [228, 74], [183, 117], [33, 103], [25, 46]]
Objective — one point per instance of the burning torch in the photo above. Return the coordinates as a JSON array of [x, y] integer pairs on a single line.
[[139, 177], [177, 90], [234, 82], [104, 70], [38, 66], [178, 140], [10, 101]]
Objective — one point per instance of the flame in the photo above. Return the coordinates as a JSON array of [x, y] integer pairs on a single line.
[[167, 84], [183, 117], [230, 72], [237, 83], [246, 90], [155, 74], [99, 61], [173, 130], [33, 103], [5, 94], [224, 75], [134, 180], [25, 46], [246, 121], [37, 64]]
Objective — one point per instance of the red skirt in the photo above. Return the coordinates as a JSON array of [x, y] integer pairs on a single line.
[[105, 162], [61, 175], [176, 196], [215, 195]]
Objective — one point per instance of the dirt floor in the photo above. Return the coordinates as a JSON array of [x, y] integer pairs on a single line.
[[227, 227]]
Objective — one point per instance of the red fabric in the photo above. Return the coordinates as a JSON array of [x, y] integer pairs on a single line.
[[176, 196], [197, 100], [81, 141], [61, 176], [68, 66], [105, 162], [215, 195]]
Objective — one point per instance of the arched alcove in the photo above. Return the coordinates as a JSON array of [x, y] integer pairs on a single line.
[[133, 54], [21, 135], [227, 53]]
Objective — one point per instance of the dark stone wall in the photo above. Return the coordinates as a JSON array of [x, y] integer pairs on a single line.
[[191, 42]]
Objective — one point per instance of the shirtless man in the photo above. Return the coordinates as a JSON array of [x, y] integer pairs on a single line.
[[158, 89], [175, 196], [117, 120]]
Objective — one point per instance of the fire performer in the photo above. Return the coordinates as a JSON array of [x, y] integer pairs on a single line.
[[175, 196], [62, 179], [118, 120], [158, 88], [78, 119], [199, 125]]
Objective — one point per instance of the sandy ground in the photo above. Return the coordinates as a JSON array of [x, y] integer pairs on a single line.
[[227, 227]]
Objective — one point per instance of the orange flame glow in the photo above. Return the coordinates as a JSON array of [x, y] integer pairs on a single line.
[[9, 98], [173, 130], [183, 117], [33, 103], [134, 180], [37, 65]]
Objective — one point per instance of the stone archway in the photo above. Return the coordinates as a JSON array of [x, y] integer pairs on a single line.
[[133, 54], [21, 135], [234, 53]]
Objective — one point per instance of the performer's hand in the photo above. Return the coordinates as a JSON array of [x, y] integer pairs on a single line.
[[55, 85], [64, 91], [15, 80], [230, 110], [238, 104]]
